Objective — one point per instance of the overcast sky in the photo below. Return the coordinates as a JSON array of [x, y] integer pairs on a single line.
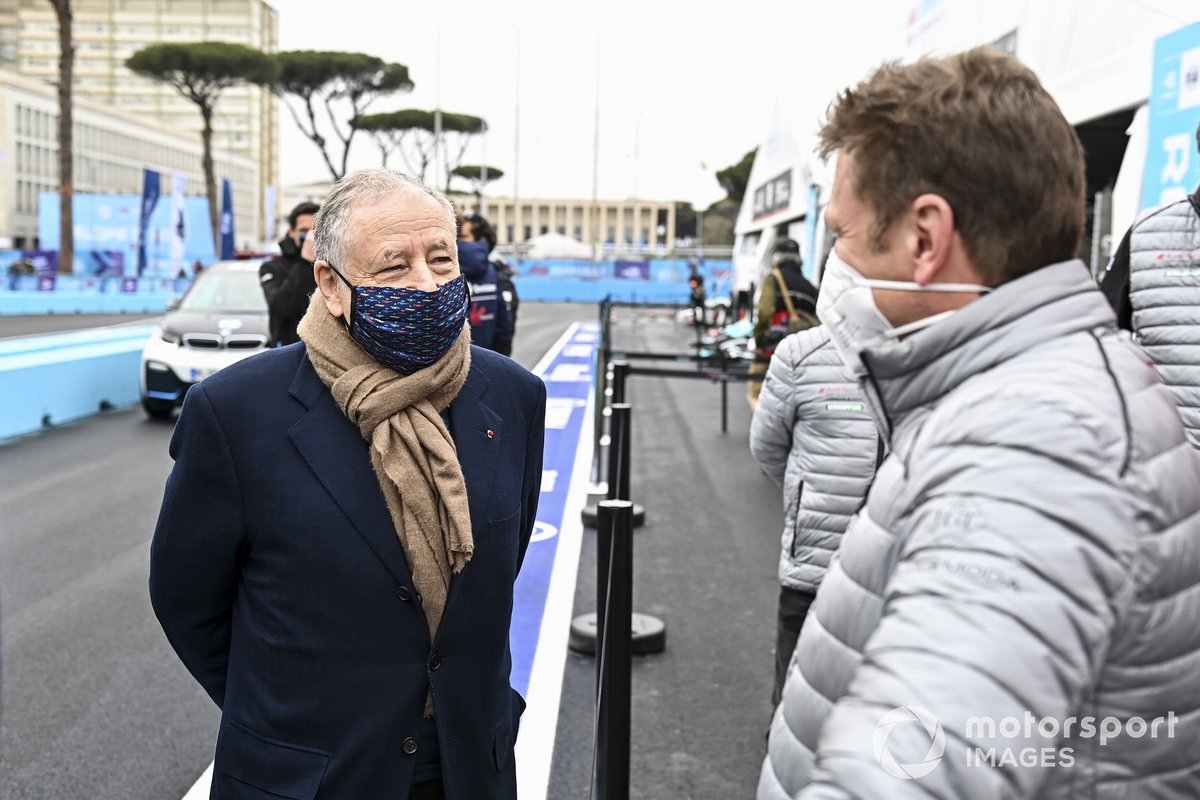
[[686, 87]]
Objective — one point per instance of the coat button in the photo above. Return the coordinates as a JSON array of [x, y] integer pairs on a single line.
[[410, 745], [402, 593], [435, 661]]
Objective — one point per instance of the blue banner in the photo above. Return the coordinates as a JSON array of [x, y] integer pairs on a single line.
[[632, 270], [226, 220], [109, 239], [151, 182], [1172, 164]]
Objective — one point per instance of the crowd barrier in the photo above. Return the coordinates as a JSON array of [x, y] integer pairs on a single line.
[[656, 280], [59, 378], [70, 294], [615, 633]]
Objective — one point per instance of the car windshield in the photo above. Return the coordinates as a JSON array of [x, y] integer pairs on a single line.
[[226, 292]]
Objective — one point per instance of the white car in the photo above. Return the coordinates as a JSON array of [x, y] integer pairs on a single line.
[[221, 319]]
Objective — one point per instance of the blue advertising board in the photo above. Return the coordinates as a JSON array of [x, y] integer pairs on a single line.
[[107, 225], [1172, 163]]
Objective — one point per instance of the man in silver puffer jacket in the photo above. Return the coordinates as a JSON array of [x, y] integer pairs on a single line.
[[1014, 613], [813, 435], [1153, 285]]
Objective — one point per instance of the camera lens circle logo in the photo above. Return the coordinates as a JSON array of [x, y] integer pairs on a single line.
[[908, 718]]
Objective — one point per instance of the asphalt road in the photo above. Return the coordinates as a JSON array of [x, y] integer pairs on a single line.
[[11, 326], [94, 702]]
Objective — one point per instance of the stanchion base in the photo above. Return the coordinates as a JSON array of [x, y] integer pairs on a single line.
[[649, 635], [589, 515]]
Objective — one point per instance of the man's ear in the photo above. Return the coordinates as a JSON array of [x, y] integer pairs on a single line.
[[329, 285], [931, 237]]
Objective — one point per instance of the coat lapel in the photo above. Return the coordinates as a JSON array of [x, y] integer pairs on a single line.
[[478, 433], [334, 449]]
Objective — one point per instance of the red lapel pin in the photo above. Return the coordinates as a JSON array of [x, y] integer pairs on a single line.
[[491, 434]]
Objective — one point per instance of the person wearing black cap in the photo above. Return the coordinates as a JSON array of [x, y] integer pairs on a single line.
[[787, 304]]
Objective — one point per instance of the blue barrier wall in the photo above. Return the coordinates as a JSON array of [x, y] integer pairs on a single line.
[[653, 280], [50, 380], [88, 295], [552, 280]]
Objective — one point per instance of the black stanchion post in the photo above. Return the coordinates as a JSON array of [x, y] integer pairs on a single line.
[[724, 406], [620, 371], [618, 489], [600, 385], [612, 779], [623, 432]]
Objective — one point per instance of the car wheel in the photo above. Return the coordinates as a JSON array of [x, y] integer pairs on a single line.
[[158, 409]]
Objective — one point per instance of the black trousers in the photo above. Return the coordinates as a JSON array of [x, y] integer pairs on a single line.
[[793, 608], [429, 790]]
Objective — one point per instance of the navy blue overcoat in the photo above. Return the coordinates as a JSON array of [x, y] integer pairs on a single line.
[[278, 578]]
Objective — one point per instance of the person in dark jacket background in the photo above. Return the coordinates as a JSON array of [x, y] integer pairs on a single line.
[[491, 325], [512, 301], [287, 280], [775, 320]]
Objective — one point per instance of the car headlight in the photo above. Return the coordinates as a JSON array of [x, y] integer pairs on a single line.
[[168, 337], [157, 366]]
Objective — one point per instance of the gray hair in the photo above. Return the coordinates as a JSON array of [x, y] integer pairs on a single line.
[[330, 231]]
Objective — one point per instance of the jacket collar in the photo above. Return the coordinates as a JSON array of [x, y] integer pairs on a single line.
[[335, 451], [1048, 303]]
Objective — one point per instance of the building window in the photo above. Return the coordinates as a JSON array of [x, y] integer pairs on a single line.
[[579, 232], [510, 233], [528, 232]]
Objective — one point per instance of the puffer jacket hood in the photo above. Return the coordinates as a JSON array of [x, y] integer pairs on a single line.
[[1029, 551], [813, 435]]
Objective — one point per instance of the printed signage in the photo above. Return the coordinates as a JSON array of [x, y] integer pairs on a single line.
[[774, 195], [1172, 163]]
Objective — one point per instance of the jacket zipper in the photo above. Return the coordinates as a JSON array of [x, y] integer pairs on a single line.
[[796, 519]]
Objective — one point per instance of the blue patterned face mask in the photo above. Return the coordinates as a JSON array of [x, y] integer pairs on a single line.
[[407, 329]]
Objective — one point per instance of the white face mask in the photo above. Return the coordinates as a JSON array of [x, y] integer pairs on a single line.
[[846, 307]]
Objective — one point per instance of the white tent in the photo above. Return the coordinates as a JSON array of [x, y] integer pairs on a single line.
[[556, 245]]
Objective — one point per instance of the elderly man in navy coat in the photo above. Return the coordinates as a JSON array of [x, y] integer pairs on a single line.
[[335, 556]]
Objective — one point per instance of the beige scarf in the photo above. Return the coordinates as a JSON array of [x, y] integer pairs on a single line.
[[411, 449]]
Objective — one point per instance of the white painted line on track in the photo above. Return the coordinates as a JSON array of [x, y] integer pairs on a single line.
[[200, 788], [539, 723]]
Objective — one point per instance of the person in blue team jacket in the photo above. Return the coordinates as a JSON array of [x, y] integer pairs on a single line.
[[335, 556], [491, 323]]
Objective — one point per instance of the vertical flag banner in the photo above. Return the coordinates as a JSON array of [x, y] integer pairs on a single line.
[[150, 190], [810, 232], [269, 215], [227, 237], [1172, 165], [178, 225]]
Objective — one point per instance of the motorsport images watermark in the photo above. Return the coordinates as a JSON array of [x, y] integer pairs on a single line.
[[1018, 731]]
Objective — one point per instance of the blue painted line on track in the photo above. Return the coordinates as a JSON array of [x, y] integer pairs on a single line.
[[568, 377]]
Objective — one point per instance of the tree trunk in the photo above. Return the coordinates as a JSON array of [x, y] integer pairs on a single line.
[[66, 154], [210, 178]]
